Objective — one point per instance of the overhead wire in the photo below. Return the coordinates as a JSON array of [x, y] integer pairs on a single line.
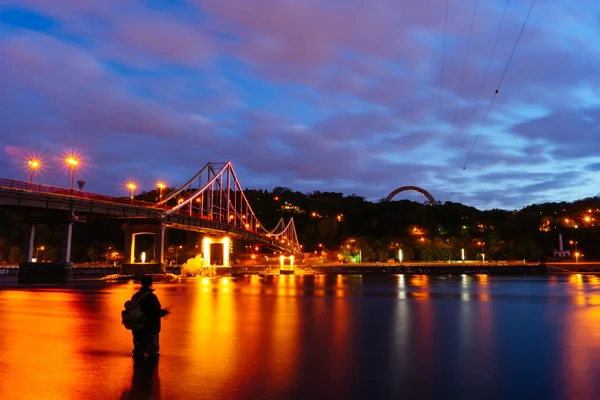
[[442, 72], [464, 68], [487, 69], [512, 53]]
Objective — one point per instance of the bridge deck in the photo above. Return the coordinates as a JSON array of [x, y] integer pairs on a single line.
[[20, 194]]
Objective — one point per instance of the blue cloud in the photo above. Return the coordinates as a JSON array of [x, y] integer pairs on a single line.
[[26, 19]]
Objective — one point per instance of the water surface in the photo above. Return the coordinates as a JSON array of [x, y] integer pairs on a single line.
[[310, 337]]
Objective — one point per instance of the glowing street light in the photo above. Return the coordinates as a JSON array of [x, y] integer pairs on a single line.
[[37, 251], [481, 244], [33, 165], [131, 186], [160, 186], [574, 243], [177, 254], [72, 162]]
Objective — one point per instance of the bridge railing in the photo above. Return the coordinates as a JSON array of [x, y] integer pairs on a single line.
[[40, 188], [56, 190]]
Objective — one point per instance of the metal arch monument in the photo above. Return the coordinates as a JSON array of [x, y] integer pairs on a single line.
[[414, 189]]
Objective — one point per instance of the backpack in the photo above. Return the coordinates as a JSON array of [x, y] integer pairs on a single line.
[[132, 316]]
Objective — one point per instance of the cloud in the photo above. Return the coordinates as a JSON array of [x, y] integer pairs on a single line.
[[310, 94]]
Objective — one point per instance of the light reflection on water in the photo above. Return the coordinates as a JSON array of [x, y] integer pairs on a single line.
[[471, 336]]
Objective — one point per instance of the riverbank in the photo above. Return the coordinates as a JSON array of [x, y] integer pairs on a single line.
[[364, 269]]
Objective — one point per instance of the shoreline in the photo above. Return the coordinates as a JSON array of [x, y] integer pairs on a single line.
[[95, 273]]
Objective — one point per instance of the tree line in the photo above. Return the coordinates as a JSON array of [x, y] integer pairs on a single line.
[[345, 227]]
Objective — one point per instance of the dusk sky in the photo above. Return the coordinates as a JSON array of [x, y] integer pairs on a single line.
[[330, 95]]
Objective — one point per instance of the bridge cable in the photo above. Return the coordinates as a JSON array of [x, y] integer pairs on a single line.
[[442, 72], [500, 82]]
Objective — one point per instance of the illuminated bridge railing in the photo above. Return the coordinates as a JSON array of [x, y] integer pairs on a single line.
[[39, 188], [56, 190]]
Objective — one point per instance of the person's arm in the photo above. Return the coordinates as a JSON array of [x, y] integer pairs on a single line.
[[161, 312], [152, 307]]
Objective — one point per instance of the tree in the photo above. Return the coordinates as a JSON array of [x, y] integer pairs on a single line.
[[327, 230], [15, 255]]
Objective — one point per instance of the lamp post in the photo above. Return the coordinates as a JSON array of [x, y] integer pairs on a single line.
[[160, 186], [33, 165], [481, 244], [37, 251], [575, 243], [72, 163], [177, 254]]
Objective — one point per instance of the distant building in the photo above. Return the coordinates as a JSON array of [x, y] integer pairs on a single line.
[[561, 252], [292, 208]]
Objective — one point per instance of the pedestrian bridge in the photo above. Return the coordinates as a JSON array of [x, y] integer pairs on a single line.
[[212, 202]]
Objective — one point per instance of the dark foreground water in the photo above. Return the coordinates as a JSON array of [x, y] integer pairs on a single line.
[[312, 337]]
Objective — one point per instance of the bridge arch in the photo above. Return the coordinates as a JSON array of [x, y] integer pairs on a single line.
[[414, 189]]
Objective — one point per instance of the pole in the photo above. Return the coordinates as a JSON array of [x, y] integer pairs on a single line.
[[72, 178], [31, 181]]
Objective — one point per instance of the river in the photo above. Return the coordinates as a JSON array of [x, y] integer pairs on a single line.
[[310, 337]]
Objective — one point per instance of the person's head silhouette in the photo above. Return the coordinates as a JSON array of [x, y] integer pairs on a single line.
[[146, 281]]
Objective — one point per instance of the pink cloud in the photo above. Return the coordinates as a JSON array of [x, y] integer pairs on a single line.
[[159, 37]]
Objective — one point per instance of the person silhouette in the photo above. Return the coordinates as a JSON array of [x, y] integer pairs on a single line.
[[145, 340]]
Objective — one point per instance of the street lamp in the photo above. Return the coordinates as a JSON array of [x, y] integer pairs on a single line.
[[481, 244], [33, 165], [574, 242], [131, 186], [177, 254], [37, 251], [160, 186], [72, 163]]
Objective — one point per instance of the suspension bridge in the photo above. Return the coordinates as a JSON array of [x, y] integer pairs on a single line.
[[210, 202]]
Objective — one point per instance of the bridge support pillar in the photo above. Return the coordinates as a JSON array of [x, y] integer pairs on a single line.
[[140, 268], [47, 272], [29, 243], [222, 260], [159, 244], [65, 250]]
